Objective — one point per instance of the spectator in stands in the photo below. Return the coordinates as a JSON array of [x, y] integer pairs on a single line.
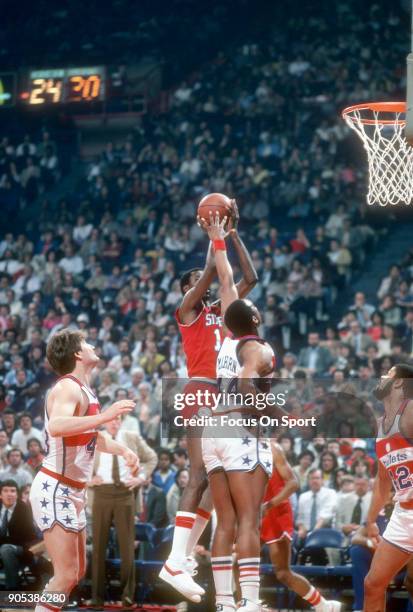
[[357, 340], [315, 359], [180, 458], [8, 419], [5, 446], [352, 510], [301, 470], [174, 495], [17, 533], [35, 455], [153, 505], [26, 431], [316, 507], [328, 465], [16, 469], [164, 476], [362, 309]]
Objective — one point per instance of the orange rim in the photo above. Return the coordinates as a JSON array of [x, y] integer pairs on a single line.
[[378, 107]]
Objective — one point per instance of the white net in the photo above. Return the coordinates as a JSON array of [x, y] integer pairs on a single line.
[[390, 157]]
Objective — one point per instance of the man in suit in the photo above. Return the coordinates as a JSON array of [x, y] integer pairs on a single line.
[[117, 497], [17, 533], [352, 510], [358, 341], [314, 358]]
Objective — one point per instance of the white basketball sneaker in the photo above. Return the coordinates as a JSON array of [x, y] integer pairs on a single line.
[[330, 606], [177, 577]]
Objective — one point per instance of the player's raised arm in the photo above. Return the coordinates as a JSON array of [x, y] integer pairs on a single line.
[[61, 406], [285, 470], [217, 233], [195, 294], [249, 274]]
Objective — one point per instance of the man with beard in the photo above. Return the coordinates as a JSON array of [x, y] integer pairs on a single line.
[[394, 451]]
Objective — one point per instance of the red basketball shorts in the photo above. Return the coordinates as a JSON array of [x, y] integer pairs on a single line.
[[277, 523], [192, 389]]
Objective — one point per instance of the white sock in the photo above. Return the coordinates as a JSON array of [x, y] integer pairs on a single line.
[[222, 571], [314, 598], [201, 521], [183, 525], [43, 608], [249, 578]]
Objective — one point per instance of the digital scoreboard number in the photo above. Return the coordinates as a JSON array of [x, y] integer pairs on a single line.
[[65, 86]]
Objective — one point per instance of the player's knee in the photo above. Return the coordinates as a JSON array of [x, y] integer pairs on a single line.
[[373, 584], [226, 528], [283, 575]]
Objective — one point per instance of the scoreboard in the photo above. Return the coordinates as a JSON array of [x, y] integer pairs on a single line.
[[53, 86]]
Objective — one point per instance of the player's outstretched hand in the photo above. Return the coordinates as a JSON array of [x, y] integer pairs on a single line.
[[118, 409], [215, 228], [132, 461]]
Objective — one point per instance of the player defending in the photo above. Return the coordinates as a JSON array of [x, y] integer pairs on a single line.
[[277, 529], [242, 463], [57, 496], [200, 324], [394, 451]]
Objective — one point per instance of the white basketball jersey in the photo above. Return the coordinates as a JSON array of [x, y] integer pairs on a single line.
[[72, 456], [228, 365]]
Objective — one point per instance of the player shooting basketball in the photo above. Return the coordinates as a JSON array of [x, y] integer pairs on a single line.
[[394, 451], [200, 324], [238, 467], [57, 496]]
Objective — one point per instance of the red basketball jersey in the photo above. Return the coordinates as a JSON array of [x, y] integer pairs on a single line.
[[201, 341], [274, 486]]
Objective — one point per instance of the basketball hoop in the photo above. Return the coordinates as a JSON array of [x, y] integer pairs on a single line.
[[380, 126]]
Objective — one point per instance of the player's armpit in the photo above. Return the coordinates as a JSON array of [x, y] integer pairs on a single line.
[[196, 293]]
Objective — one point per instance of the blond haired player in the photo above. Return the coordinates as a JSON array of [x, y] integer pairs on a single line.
[[57, 496]]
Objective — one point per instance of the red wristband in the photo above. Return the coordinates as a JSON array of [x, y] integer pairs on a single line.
[[219, 245]]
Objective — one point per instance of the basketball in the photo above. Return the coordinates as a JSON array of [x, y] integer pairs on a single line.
[[214, 203]]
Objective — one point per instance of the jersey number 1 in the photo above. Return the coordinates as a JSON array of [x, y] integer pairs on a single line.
[[218, 340]]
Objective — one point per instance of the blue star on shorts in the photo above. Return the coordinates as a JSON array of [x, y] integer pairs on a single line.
[[246, 441], [45, 520], [65, 491], [246, 460], [267, 465], [264, 445], [68, 520], [65, 504], [45, 486], [44, 503]]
